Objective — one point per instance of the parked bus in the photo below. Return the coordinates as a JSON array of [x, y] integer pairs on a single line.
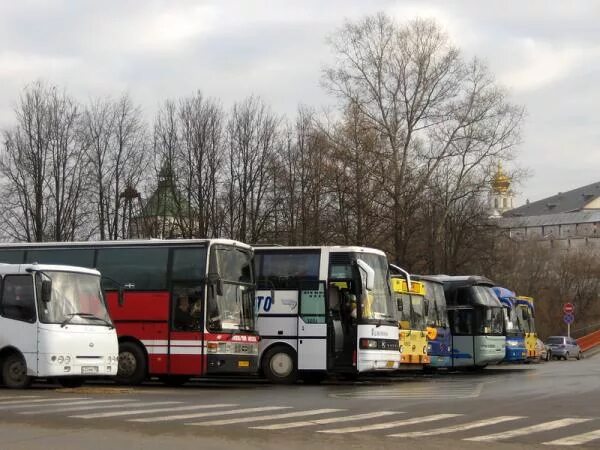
[[324, 310], [439, 336], [410, 300], [54, 324], [187, 305], [514, 326], [476, 319], [525, 304]]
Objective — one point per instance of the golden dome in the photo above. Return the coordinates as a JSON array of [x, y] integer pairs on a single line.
[[500, 181]]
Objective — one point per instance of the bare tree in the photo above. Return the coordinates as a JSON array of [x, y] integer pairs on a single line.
[[252, 140], [43, 165]]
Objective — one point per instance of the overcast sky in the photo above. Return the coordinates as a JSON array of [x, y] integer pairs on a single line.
[[547, 53]]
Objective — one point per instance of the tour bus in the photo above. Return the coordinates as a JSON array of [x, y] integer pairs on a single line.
[[187, 304], [514, 327], [476, 319], [410, 300], [324, 310], [525, 304], [54, 324], [439, 336]]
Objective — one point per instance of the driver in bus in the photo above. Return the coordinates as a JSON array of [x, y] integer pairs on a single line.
[[183, 317]]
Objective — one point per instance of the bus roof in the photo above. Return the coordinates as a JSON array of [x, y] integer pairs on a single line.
[[25, 268], [431, 278], [124, 242], [329, 248], [462, 280]]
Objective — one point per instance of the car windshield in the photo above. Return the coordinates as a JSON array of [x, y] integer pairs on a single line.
[[75, 297], [556, 340]]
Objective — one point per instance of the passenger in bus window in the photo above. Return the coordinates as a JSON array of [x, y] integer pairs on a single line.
[[182, 317]]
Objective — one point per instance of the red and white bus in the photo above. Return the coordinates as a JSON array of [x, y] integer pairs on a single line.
[[187, 305]]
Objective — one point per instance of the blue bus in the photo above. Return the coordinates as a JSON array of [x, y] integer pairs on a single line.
[[438, 328], [516, 350]]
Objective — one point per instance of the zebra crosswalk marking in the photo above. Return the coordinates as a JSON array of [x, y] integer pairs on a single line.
[[308, 423], [82, 402], [383, 426], [33, 403], [578, 439], [134, 412], [527, 430], [13, 397], [268, 417], [209, 414], [132, 403], [455, 428]]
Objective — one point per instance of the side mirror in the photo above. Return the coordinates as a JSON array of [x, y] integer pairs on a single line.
[[369, 274], [121, 298], [400, 304], [46, 290], [426, 307], [216, 281]]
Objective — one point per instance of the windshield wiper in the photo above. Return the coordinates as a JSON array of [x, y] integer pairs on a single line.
[[86, 316]]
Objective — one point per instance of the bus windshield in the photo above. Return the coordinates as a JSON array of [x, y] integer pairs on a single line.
[[438, 315], [233, 308], [75, 297], [379, 305], [490, 320], [418, 312]]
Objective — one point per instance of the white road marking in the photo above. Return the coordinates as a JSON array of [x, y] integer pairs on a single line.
[[383, 426], [308, 423], [82, 402], [577, 439], [453, 429], [269, 417], [132, 403], [209, 414], [32, 403], [13, 397], [133, 412], [527, 430]]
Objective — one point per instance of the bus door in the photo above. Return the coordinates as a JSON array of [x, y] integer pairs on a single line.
[[19, 324], [335, 327], [312, 327], [186, 337], [463, 339]]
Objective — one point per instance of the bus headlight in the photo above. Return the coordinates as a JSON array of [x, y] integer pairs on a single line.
[[512, 344]]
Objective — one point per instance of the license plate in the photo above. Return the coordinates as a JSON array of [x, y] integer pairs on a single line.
[[390, 364], [243, 363], [89, 369]]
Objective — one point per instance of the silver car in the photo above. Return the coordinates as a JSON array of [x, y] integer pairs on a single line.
[[563, 347]]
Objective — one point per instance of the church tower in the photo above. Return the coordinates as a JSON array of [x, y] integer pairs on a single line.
[[500, 197]]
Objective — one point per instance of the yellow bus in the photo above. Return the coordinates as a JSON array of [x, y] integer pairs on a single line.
[[410, 300], [525, 305]]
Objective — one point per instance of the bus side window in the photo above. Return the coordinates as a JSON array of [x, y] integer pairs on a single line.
[[18, 298]]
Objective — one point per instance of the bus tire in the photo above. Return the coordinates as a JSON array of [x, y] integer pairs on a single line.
[[71, 382], [279, 364], [14, 372], [132, 364]]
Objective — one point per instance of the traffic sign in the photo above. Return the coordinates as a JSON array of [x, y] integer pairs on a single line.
[[569, 318], [568, 308]]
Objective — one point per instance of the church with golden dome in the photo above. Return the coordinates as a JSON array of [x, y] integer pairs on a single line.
[[500, 197]]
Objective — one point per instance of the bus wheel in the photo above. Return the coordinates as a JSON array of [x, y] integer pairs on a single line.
[[14, 372], [71, 382], [132, 364], [279, 365]]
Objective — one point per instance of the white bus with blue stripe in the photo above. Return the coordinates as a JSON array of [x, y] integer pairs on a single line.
[[324, 310]]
